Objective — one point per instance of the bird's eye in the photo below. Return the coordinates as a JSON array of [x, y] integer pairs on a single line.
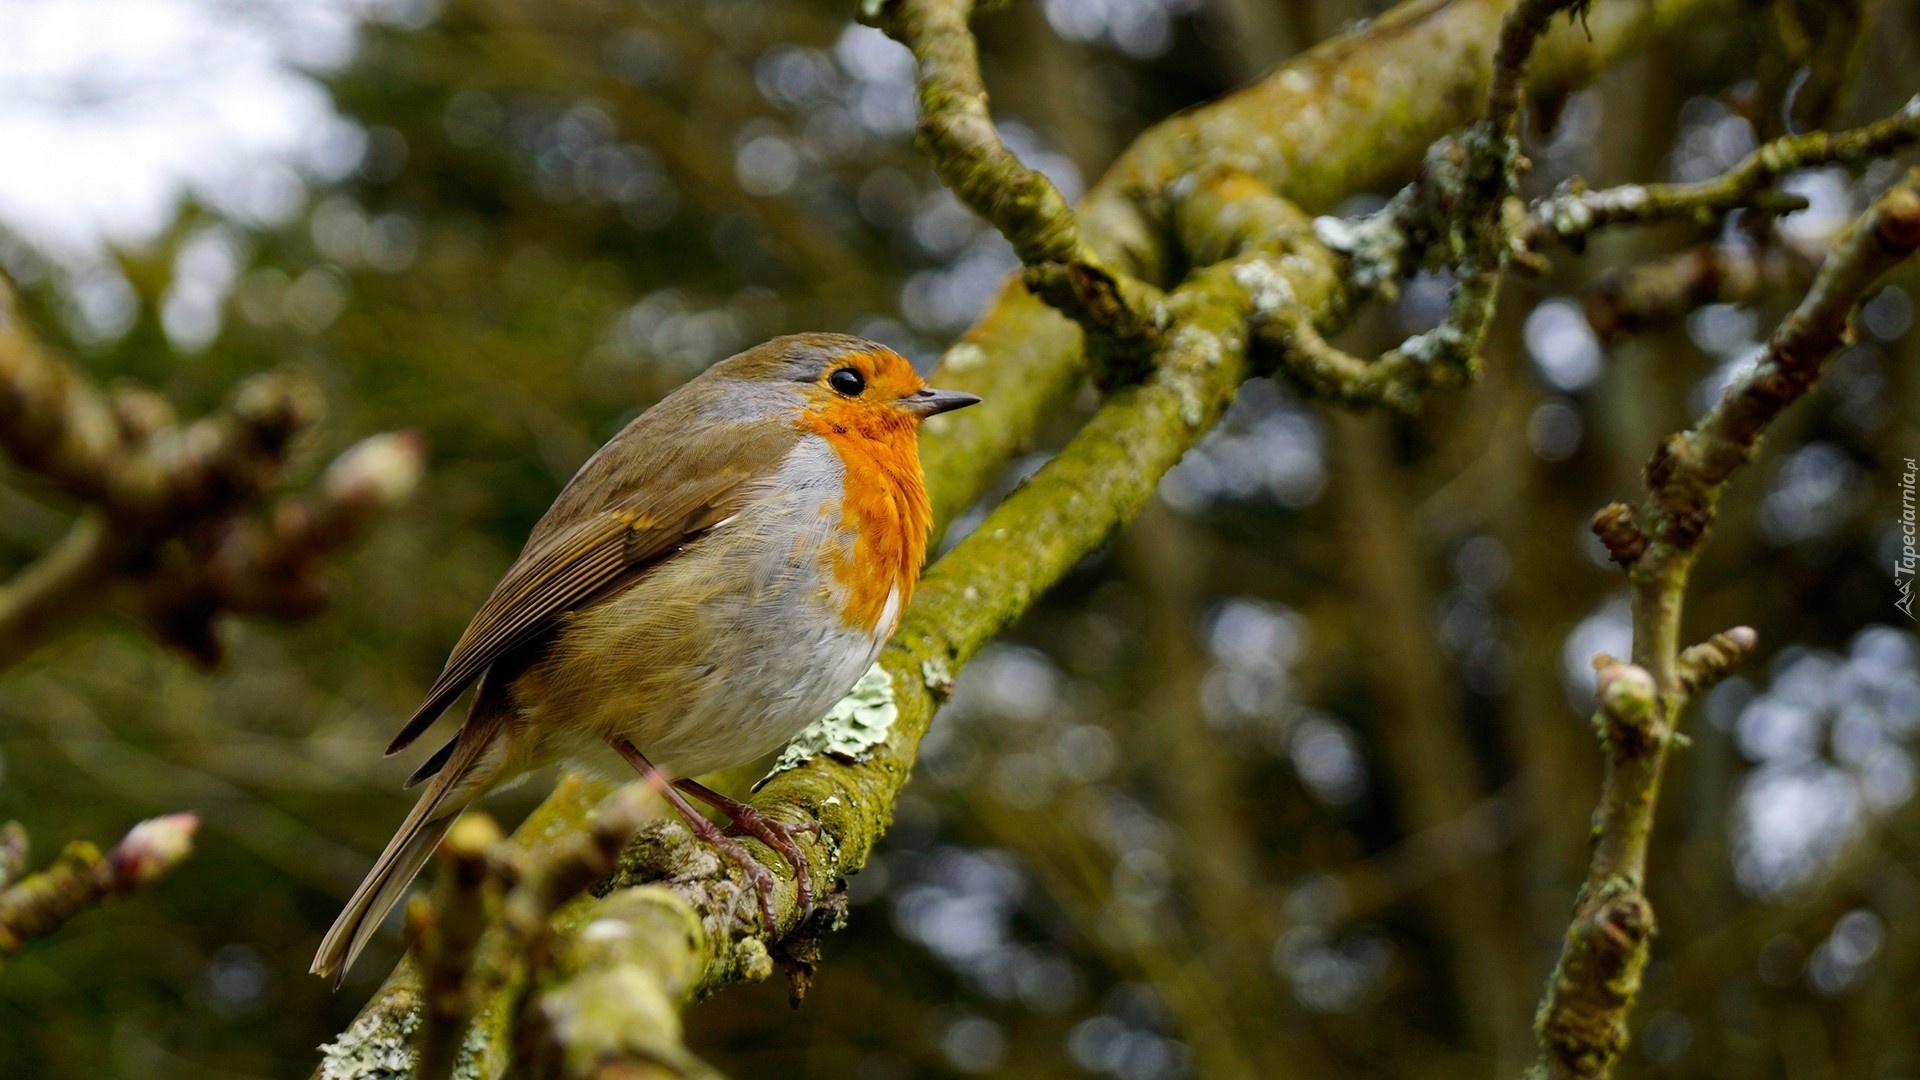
[[847, 381]]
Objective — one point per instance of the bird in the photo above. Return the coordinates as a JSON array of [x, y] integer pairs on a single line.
[[707, 585]]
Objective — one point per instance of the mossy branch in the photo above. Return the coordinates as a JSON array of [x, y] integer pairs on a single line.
[[1687, 472], [1355, 113], [1296, 283], [1452, 217], [1122, 315], [484, 950], [1582, 1023]]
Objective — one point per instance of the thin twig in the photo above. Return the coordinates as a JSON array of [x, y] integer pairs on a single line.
[[40, 903], [1569, 215]]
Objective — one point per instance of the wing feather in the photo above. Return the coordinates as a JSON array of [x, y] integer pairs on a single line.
[[620, 513]]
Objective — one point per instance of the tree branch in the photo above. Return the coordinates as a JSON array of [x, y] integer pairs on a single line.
[[1355, 113], [1662, 291], [125, 453], [1572, 213], [1452, 217], [1582, 1021], [168, 503], [273, 568]]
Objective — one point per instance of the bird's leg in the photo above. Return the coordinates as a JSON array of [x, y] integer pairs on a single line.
[[777, 835], [705, 831]]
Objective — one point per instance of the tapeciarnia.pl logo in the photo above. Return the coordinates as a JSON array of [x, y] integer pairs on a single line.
[[1907, 562]]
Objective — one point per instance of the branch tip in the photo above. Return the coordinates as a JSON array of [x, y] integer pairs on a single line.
[[1704, 665], [1614, 525], [150, 849]]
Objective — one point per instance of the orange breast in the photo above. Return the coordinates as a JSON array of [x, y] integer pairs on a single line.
[[885, 508]]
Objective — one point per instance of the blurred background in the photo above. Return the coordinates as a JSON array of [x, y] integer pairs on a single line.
[[1292, 779]]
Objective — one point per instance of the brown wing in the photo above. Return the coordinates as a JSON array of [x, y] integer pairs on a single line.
[[632, 505]]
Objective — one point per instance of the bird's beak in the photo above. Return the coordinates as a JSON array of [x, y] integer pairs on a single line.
[[930, 402]]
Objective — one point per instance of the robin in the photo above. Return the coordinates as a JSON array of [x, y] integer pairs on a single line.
[[707, 585]]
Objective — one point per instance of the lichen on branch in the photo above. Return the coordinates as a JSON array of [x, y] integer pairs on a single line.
[[1573, 212], [1453, 217]]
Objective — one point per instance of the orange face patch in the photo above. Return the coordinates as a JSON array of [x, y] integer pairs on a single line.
[[885, 504]]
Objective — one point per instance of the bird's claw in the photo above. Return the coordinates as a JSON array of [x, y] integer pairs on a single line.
[[763, 880], [779, 836]]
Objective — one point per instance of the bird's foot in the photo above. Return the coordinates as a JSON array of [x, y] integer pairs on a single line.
[[778, 835], [703, 830]]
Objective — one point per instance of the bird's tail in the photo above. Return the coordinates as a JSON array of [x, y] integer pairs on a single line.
[[448, 794]]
